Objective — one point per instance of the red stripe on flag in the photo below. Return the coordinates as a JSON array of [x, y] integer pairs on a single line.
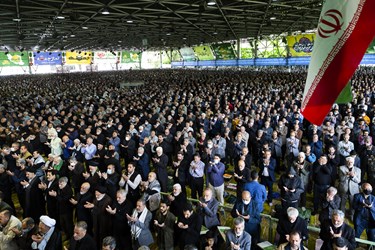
[[342, 66]]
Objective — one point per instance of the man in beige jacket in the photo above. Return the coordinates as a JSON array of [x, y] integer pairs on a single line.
[[7, 236]]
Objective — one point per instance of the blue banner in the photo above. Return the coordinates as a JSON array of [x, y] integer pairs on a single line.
[[47, 58]]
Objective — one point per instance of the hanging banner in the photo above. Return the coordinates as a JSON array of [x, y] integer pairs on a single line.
[[187, 54], [204, 52], [130, 57], [80, 57], [14, 59], [301, 45], [47, 58], [105, 57], [224, 51]]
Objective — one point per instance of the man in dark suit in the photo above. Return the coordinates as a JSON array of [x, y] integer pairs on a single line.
[[364, 215], [267, 167], [81, 239], [335, 228], [189, 227], [48, 237], [160, 164], [50, 186], [34, 199], [102, 220], [83, 213], [289, 223], [119, 209]]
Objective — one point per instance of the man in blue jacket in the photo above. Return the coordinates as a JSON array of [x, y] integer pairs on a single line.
[[215, 173], [247, 209], [364, 215]]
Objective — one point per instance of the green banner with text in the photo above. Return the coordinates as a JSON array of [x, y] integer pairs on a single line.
[[224, 51], [130, 57], [14, 59]]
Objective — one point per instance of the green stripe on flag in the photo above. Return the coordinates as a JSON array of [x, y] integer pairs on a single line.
[[346, 95]]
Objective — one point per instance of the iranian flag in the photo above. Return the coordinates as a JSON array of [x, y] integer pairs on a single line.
[[345, 30]]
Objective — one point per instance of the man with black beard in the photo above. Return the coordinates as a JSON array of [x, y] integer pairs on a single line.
[[129, 148], [181, 167], [34, 199], [131, 183], [82, 197], [102, 220], [118, 210], [52, 185], [189, 225]]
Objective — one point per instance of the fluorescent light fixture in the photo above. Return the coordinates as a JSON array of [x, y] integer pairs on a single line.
[[85, 27], [60, 17], [72, 35], [105, 11], [17, 19], [272, 18], [211, 2], [129, 21]]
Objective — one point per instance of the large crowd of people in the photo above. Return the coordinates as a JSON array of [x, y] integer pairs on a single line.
[[104, 166]]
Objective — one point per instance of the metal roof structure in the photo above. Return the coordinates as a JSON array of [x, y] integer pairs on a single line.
[[146, 24]]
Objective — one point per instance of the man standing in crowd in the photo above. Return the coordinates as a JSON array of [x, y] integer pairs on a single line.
[[238, 238], [215, 173], [160, 164], [196, 172], [335, 228], [294, 242], [208, 208], [267, 167], [139, 222], [322, 180], [247, 209], [48, 237], [289, 223], [364, 212], [350, 177], [81, 239], [164, 224], [7, 234], [257, 191]]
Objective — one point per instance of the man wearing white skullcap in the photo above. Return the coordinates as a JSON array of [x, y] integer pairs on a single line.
[[48, 237]]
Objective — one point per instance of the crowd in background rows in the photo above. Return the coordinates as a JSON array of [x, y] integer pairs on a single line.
[[85, 143]]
